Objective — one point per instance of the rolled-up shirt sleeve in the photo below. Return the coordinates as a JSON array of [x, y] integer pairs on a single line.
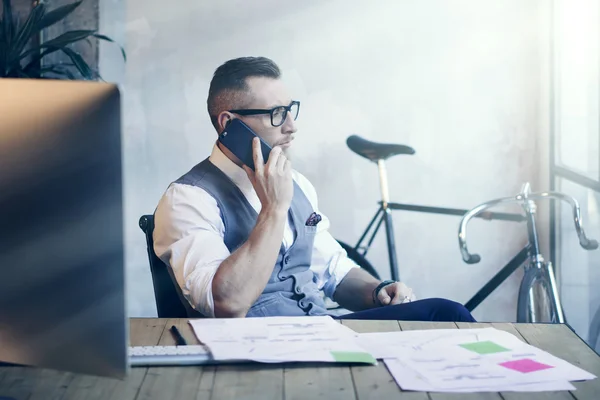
[[330, 262], [188, 237]]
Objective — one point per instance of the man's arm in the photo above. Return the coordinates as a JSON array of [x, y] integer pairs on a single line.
[[242, 277], [355, 292]]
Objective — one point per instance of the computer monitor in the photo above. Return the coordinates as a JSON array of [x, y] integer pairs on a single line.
[[62, 279]]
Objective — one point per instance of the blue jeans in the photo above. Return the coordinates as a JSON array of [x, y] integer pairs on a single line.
[[420, 310]]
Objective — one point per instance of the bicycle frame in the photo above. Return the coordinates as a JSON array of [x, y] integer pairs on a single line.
[[383, 214]]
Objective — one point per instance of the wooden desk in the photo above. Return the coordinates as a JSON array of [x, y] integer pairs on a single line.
[[260, 381]]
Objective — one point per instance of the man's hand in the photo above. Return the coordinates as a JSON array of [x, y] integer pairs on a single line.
[[395, 293], [271, 181], [356, 292]]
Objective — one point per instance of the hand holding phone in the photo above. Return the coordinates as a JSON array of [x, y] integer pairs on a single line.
[[269, 169], [237, 137], [272, 181]]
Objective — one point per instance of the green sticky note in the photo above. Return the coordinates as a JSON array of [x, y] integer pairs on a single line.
[[486, 347], [353, 357]]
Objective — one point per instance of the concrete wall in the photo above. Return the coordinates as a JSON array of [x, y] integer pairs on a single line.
[[460, 81]]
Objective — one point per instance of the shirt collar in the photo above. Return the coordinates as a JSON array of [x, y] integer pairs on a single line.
[[231, 169]]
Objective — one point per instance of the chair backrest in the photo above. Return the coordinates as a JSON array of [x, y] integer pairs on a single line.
[[169, 300]]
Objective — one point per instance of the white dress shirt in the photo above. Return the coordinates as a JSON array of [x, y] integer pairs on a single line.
[[189, 232]]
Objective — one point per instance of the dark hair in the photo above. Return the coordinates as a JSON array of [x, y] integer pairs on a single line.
[[228, 85]]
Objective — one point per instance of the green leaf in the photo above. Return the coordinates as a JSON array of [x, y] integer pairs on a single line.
[[68, 38], [6, 42], [27, 31], [70, 75], [3, 53], [79, 62], [102, 37], [21, 74], [61, 69], [7, 21], [61, 41], [54, 16], [39, 71], [59, 74], [37, 57], [97, 75], [62, 72]]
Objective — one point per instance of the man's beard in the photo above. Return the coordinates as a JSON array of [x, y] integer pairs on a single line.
[[288, 153]]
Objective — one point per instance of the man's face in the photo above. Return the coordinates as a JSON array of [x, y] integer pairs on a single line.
[[267, 93]]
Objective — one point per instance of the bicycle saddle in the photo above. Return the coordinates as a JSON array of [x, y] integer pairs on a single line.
[[376, 151]]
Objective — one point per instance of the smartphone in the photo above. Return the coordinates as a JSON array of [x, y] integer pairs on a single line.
[[237, 137]]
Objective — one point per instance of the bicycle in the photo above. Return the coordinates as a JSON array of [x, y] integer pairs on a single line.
[[379, 153], [538, 299]]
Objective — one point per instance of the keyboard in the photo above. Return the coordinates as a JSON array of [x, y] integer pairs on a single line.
[[147, 356]]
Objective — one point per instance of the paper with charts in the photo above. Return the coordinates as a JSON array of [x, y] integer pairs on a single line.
[[280, 339], [469, 360]]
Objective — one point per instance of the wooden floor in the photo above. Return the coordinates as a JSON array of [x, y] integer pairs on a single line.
[[260, 381]]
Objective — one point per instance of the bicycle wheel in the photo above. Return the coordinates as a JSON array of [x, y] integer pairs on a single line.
[[594, 334], [359, 259], [536, 285]]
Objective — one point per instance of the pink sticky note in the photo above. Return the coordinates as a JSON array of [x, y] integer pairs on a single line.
[[525, 365]]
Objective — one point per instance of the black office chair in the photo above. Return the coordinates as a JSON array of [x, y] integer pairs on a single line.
[[170, 302]]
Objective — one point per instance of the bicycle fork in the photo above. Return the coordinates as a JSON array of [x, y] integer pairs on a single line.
[[555, 297], [537, 261]]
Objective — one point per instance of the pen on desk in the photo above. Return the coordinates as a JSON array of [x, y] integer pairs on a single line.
[[178, 338]]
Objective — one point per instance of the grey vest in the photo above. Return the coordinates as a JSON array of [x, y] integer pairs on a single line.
[[291, 289]]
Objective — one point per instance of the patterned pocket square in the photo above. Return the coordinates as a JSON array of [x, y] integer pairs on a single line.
[[313, 219]]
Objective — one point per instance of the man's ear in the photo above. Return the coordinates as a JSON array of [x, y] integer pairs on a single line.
[[224, 119]]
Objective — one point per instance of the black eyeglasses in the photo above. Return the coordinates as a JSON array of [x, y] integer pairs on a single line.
[[278, 114]]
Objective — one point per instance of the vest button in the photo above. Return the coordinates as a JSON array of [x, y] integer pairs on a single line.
[[297, 289], [286, 259]]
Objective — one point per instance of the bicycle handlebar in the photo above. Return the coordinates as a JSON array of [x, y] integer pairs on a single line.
[[523, 198]]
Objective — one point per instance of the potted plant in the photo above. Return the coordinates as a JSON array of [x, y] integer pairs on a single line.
[[18, 60]]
